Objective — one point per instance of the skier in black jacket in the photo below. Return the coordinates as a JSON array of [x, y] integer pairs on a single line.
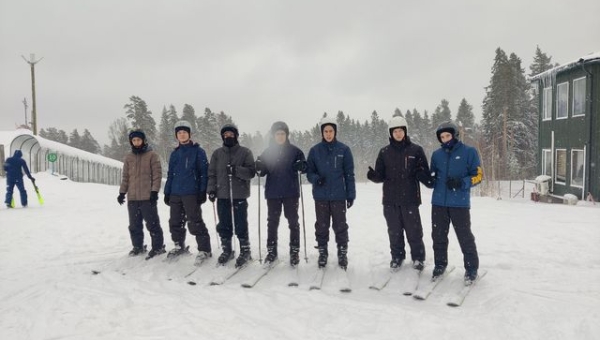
[[280, 163], [399, 166]]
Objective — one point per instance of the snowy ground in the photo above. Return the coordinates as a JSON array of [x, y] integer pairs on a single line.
[[543, 268]]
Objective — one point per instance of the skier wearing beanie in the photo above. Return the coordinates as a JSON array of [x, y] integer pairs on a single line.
[[331, 172], [230, 171], [399, 166], [141, 180], [185, 192], [280, 163], [457, 168]]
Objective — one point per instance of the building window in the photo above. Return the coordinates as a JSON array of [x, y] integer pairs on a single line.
[[547, 109], [547, 162], [577, 164], [562, 100], [560, 175], [579, 97]]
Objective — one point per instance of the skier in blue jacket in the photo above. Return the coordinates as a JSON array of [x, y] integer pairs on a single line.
[[331, 172], [185, 192], [456, 168], [14, 168]]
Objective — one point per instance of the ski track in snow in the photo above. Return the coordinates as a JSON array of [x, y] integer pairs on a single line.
[[542, 281]]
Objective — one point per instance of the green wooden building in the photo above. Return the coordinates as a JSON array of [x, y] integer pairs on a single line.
[[569, 127]]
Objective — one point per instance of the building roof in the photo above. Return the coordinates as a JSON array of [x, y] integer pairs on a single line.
[[590, 58]]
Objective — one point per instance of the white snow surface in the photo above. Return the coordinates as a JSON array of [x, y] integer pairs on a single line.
[[543, 264]]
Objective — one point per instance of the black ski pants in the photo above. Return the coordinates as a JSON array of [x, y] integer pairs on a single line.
[[400, 220], [333, 212], [240, 214], [290, 211], [461, 220], [186, 208], [140, 211]]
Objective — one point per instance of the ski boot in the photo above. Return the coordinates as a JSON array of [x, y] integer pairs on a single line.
[[201, 257], [179, 250], [271, 254], [438, 271], [418, 265], [343, 256], [154, 252], [245, 255], [137, 251], [323, 254], [294, 256], [470, 276], [227, 253]]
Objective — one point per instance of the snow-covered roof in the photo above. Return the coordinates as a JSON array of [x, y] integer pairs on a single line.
[[595, 57], [24, 140]]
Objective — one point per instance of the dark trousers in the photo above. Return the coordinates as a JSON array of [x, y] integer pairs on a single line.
[[240, 212], [10, 186], [140, 211], [327, 212], [400, 220], [290, 211], [186, 208], [461, 220]]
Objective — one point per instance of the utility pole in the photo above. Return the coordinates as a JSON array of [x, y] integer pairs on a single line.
[[32, 63], [25, 105]]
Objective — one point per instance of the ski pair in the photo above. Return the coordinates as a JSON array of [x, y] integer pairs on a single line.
[[340, 278]]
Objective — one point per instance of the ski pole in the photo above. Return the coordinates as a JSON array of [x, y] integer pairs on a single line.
[[259, 244], [230, 175], [216, 223], [303, 223]]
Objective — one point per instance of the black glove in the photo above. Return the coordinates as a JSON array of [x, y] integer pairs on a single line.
[[372, 175], [154, 196], [231, 170], [454, 183], [121, 198], [261, 168], [300, 165], [201, 197], [167, 199], [321, 181], [349, 203], [32, 180], [212, 196]]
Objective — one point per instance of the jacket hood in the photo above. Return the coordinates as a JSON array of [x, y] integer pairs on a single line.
[[18, 154]]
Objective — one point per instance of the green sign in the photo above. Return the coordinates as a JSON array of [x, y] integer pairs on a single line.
[[52, 157]]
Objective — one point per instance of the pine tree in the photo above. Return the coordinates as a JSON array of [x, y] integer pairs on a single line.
[[189, 115], [118, 134], [141, 117], [89, 143], [465, 119], [75, 139], [441, 114]]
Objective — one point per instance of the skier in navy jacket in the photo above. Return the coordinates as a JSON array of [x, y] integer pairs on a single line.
[[280, 163], [185, 192], [14, 167], [331, 172], [456, 168]]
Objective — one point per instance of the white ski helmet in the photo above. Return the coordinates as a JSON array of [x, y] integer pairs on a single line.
[[397, 122], [328, 121], [183, 125]]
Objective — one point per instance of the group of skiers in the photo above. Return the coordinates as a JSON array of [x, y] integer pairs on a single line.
[[329, 167]]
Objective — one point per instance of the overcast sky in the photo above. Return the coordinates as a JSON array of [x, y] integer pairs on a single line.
[[261, 61]]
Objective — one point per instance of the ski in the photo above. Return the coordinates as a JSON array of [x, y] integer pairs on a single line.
[[294, 277], [383, 280], [457, 299], [263, 271], [226, 273], [411, 282], [425, 290], [39, 195], [317, 280], [342, 280]]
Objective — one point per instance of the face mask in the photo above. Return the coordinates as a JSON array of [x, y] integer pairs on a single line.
[[449, 144], [229, 141]]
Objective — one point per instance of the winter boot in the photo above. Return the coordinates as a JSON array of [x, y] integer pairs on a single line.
[[395, 263], [227, 253], [137, 250], [153, 252], [294, 256], [323, 254], [470, 276], [179, 249], [418, 265], [271, 254], [245, 255], [343, 256], [438, 271], [201, 257]]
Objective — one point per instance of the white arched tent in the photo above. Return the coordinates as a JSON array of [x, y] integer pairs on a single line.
[[76, 164]]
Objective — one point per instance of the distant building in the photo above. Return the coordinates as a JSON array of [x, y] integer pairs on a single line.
[[569, 126]]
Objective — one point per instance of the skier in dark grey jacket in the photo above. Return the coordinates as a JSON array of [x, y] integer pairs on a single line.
[[230, 171]]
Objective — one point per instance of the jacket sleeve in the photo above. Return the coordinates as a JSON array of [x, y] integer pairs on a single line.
[[170, 174], [25, 168], [379, 168], [349, 175], [311, 172], [124, 177], [202, 167], [474, 169], [247, 170], [212, 173], [422, 172], [156, 168]]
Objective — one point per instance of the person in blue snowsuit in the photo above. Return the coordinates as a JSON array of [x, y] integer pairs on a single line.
[[456, 168], [14, 168], [331, 172]]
